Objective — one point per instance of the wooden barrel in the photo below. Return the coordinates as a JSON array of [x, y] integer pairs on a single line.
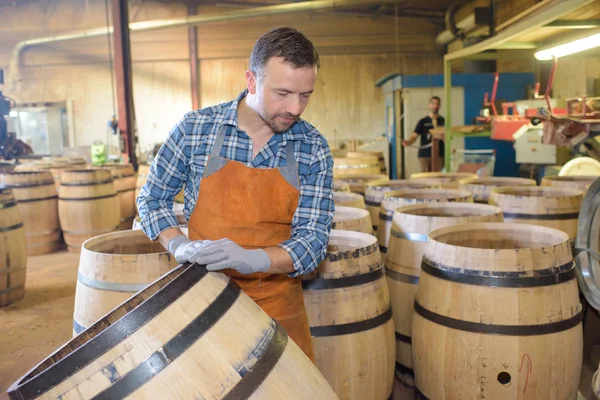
[[13, 250], [352, 219], [373, 153], [348, 309], [399, 198], [191, 334], [481, 187], [6, 167], [408, 238], [545, 206], [348, 199], [347, 166], [341, 186], [497, 314], [125, 184], [579, 182], [37, 201], [448, 180], [112, 268], [374, 193], [358, 183], [87, 206]]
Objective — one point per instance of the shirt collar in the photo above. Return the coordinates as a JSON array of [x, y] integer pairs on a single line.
[[296, 132]]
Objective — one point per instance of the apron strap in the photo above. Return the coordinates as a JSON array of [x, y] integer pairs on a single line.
[[216, 150], [290, 170], [290, 160]]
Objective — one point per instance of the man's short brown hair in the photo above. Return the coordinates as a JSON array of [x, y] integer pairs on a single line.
[[287, 43]]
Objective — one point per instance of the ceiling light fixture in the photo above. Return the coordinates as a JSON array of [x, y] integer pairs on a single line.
[[566, 49]]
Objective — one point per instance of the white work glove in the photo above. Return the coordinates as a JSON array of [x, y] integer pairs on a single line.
[[186, 250], [233, 256]]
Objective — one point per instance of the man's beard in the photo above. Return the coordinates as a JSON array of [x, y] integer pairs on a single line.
[[279, 127]]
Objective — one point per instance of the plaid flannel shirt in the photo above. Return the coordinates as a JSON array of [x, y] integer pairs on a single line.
[[184, 155]]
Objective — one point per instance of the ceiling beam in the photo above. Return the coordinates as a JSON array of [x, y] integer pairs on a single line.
[[550, 11]]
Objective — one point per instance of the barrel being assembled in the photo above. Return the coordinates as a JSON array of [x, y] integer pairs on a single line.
[[87, 206], [352, 219], [408, 239], [112, 268], [497, 314], [13, 250], [348, 309], [37, 201], [190, 335]]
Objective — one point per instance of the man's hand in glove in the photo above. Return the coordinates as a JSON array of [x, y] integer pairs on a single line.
[[230, 255], [186, 250]]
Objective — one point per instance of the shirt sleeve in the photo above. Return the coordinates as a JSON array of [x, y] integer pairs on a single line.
[[312, 220], [167, 175], [419, 127]]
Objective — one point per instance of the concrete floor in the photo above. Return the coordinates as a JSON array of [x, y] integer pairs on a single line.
[[32, 328]]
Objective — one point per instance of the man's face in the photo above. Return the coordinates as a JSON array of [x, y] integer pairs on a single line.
[[282, 92], [434, 106]]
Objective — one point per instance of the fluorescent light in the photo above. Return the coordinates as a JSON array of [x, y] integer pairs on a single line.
[[569, 48]]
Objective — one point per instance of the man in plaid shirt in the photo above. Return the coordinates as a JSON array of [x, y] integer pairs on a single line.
[[258, 183]]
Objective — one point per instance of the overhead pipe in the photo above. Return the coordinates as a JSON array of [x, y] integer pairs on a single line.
[[456, 30], [187, 21]]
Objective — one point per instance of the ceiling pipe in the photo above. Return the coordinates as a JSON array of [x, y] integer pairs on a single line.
[[304, 6]]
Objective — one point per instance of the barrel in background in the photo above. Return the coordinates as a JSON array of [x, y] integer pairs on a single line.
[[408, 240], [352, 219], [341, 186], [447, 180], [370, 153], [375, 191], [347, 166], [125, 184], [348, 309], [87, 206], [191, 334], [541, 205], [358, 183], [497, 314], [578, 182], [399, 198], [348, 200], [37, 201], [13, 250], [481, 187]]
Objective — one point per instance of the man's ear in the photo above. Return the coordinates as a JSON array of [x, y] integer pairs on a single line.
[[251, 82]]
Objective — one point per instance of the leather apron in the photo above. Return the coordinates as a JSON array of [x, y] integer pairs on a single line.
[[254, 207]]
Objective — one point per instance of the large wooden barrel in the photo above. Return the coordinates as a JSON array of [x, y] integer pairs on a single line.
[[112, 268], [341, 186], [348, 166], [370, 153], [348, 199], [399, 198], [37, 201], [125, 184], [189, 335], [374, 193], [348, 309], [358, 183], [497, 314], [87, 206], [448, 180], [352, 219], [408, 239], [13, 250], [579, 182], [545, 206], [481, 187]]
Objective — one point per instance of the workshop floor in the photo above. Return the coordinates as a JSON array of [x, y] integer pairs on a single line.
[[32, 328]]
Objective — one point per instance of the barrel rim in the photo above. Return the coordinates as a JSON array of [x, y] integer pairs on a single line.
[[553, 192], [353, 213], [348, 195], [443, 175], [356, 178], [366, 241], [409, 193], [572, 178], [500, 226], [129, 233], [408, 209], [489, 181]]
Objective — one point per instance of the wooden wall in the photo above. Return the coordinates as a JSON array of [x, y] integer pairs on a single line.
[[356, 52]]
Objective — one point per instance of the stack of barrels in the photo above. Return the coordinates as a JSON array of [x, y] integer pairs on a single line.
[[452, 246]]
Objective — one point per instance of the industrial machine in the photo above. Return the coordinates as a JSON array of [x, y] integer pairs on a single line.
[[10, 146]]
